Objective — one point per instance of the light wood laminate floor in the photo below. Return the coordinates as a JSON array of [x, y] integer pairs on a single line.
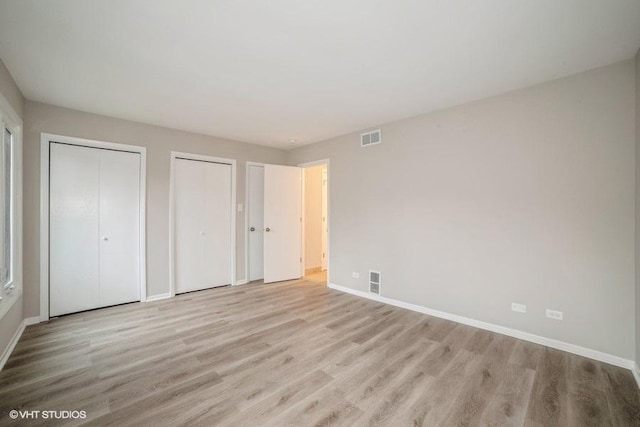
[[298, 353]]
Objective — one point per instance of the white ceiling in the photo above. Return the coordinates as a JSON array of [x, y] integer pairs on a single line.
[[269, 71]]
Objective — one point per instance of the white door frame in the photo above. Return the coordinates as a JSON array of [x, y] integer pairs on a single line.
[[45, 141], [325, 215], [172, 209], [304, 166], [247, 206]]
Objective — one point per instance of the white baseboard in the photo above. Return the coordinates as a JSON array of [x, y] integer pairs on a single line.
[[32, 320], [636, 373], [16, 337], [158, 297], [549, 342], [241, 282]]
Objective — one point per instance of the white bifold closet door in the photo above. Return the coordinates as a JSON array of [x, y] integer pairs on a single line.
[[94, 226], [202, 192]]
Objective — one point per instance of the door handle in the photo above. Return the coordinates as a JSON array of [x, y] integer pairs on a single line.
[[267, 229], [252, 229], [105, 238]]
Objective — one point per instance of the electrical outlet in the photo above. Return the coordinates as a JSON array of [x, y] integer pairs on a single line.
[[554, 314], [520, 308], [355, 275]]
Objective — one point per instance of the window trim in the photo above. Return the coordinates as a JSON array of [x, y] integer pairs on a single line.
[[13, 289], [12, 236]]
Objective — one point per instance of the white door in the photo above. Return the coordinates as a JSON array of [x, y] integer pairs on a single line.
[[325, 229], [202, 224], [74, 245], [256, 222], [119, 227], [282, 222], [94, 218]]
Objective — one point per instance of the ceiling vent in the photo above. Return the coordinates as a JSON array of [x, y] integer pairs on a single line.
[[374, 282], [371, 138]]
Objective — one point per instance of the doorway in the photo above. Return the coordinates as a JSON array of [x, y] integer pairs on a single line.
[[315, 234], [274, 222]]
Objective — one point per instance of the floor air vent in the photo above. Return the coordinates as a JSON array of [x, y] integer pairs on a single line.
[[371, 138], [374, 282]]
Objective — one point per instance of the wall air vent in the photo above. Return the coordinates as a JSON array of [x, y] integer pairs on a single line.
[[374, 282], [371, 138]]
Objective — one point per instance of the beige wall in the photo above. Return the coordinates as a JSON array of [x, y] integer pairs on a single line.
[[10, 90], [526, 197], [313, 217], [10, 322], [159, 142]]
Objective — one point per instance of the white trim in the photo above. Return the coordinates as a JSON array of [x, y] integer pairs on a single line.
[[16, 337], [549, 342], [232, 246], [241, 282], [45, 141], [636, 373], [158, 297], [326, 162], [303, 223], [247, 274], [32, 320]]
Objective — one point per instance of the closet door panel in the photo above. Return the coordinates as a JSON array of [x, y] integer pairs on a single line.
[[217, 225], [119, 227], [74, 183], [189, 190]]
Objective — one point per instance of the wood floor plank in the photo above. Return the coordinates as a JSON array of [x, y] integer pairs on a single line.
[[299, 353], [481, 382], [549, 408], [622, 396], [587, 400], [509, 404]]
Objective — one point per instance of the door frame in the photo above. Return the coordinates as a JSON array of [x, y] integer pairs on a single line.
[[232, 247], [45, 141], [325, 217], [247, 206], [304, 166]]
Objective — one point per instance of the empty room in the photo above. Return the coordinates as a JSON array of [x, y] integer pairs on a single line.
[[320, 213]]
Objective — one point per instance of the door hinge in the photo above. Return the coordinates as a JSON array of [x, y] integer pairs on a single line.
[[300, 259]]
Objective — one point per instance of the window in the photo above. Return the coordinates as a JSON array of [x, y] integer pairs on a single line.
[[10, 208], [5, 208]]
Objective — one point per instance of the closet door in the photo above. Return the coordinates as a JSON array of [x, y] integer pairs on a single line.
[[119, 227], [202, 192], [74, 245], [94, 228]]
